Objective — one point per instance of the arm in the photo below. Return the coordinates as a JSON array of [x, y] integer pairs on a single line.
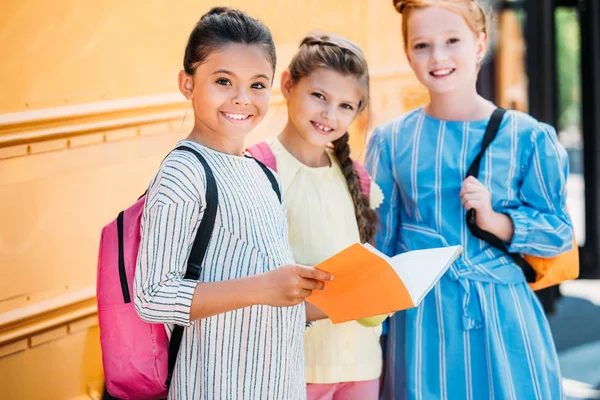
[[379, 163], [542, 226], [474, 195], [288, 285], [500, 225], [314, 313], [162, 295]]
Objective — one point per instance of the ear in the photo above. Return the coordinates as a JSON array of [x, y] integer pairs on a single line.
[[406, 53], [286, 83], [481, 43], [186, 84]]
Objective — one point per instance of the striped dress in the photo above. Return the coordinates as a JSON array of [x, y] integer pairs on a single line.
[[252, 353], [481, 333]]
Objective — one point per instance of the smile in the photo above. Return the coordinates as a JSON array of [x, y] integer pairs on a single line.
[[321, 127], [442, 72], [235, 117]]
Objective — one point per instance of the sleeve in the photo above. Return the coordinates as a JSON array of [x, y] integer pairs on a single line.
[[379, 165], [542, 226], [162, 295], [375, 196]]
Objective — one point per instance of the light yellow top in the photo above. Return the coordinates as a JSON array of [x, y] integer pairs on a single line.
[[321, 223]]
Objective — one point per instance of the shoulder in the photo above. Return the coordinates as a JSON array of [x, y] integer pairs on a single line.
[[534, 137], [398, 126], [527, 128], [180, 179]]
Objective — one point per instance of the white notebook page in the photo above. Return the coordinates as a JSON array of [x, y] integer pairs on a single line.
[[420, 270]]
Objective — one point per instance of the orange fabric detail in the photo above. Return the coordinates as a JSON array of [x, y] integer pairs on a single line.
[[552, 271]]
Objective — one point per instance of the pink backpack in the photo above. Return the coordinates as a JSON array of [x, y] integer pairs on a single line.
[[137, 356], [262, 152]]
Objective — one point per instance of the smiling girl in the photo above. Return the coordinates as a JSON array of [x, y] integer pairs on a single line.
[[329, 199], [245, 318], [481, 333]]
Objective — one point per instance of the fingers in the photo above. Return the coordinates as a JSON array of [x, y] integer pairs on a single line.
[[472, 188], [313, 273], [479, 197], [471, 184], [473, 204], [472, 180], [312, 284]]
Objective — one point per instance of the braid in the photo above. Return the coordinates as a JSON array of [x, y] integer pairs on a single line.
[[366, 218]]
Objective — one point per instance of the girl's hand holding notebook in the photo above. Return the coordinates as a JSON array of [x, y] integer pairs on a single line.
[[290, 285]]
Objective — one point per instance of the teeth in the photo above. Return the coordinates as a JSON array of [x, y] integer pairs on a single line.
[[441, 72], [237, 117], [322, 127]]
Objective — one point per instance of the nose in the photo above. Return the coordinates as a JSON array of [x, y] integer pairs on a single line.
[[439, 54], [328, 112], [241, 98]]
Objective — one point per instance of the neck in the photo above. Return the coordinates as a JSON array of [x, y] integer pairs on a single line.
[[305, 152], [465, 105], [216, 141]]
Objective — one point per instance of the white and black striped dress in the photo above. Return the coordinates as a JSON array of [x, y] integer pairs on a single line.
[[251, 353]]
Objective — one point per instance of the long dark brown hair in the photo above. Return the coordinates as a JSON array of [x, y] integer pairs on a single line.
[[343, 56]]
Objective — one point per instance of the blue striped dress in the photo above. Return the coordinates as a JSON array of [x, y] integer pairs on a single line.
[[481, 333], [251, 353]]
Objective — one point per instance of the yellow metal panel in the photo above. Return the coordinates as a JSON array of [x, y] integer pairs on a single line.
[[60, 369], [64, 52], [89, 108]]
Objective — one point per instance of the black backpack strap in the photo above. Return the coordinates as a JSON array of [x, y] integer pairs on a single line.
[[194, 265], [490, 133], [122, 271], [271, 177]]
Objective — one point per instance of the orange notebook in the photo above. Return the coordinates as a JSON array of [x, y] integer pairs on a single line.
[[367, 282]]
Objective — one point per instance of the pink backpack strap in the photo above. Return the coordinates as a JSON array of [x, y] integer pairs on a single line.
[[263, 153], [364, 178]]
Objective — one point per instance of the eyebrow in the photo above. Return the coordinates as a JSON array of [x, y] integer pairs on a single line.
[[449, 32], [224, 71]]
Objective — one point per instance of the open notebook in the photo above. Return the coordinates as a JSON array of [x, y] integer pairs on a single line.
[[367, 282]]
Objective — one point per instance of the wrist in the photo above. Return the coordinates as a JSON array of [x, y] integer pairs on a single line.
[[259, 289], [500, 225], [490, 221]]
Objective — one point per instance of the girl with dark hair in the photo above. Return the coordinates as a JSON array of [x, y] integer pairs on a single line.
[[329, 208], [245, 317]]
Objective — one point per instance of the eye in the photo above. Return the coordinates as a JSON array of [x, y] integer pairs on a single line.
[[420, 46], [258, 85], [223, 81], [453, 40], [347, 106], [318, 95]]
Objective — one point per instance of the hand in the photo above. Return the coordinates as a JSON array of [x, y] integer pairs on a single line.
[[474, 195], [289, 285]]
